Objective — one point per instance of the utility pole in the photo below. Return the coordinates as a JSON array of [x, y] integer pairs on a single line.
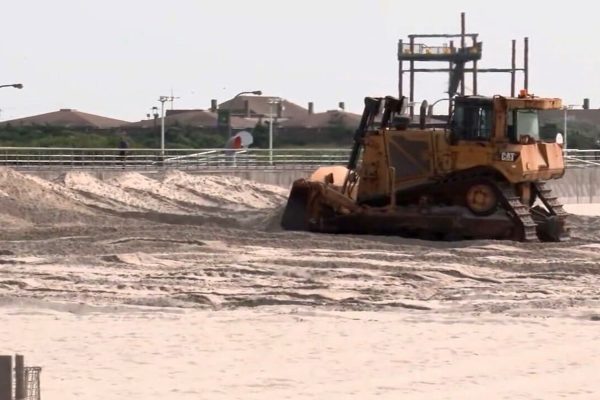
[[171, 98], [271, 103], [162, 100]]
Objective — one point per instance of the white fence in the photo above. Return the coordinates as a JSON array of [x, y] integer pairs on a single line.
[[41, 158]]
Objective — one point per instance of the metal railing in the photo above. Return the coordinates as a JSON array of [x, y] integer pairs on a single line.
[[41, 158], [419, 48], [107, 158], [575, 158]]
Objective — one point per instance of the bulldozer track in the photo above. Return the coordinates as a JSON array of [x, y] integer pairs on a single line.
[[553, 205], [518, 211], [556, 208]]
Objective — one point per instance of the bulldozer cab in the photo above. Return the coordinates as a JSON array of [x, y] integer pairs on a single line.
[[498, 119]]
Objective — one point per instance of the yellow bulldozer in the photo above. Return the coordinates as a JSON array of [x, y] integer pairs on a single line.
[[482, 176]]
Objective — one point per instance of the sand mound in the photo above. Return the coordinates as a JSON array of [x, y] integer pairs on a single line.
[[110, 195], [175, 198], [229, 191], [29, 200]]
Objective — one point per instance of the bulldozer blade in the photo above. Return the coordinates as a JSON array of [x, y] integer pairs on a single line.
[[296, 213], [549, 228]]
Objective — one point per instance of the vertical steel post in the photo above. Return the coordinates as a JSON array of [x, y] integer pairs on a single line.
[[20, 388], [513, 68], [271, 132], [5, 377], [449, 79], [474, 69], [412, 78], [565, 145], [526, 64], [400, 69], [462, 47]]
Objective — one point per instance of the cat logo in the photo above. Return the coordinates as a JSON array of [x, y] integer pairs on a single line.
[[508, 156]]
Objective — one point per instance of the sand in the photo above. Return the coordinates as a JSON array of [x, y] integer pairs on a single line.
[[274, 353], [182, 287]]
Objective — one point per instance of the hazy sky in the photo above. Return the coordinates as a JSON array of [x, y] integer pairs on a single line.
[[116, 57]]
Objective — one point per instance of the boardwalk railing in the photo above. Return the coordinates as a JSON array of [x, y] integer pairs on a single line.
[[107, 158], [582, 158]]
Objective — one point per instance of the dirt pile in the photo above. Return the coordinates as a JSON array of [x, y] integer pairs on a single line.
[[26, 200], [176, 197]]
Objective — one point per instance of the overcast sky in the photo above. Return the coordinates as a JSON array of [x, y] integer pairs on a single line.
[[116, 57]]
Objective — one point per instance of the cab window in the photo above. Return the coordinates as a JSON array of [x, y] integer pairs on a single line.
[[522, 122], [472, 122]]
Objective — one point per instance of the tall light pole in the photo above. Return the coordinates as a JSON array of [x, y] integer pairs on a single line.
[[256, 92], [15, 85], [271, 103], [162, 100]]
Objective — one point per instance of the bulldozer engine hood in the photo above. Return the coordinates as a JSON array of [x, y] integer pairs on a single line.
[[532, 103]]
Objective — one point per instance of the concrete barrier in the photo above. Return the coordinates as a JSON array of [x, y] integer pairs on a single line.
[[578, 185]]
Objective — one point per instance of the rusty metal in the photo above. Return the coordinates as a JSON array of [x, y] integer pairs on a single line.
[[413, 52]]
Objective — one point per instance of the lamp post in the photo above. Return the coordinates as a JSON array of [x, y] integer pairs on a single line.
[[162, 100], [15, 85], [271, 102], [256, 92]]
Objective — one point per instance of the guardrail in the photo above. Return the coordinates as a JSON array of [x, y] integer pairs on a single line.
[[107, 158]]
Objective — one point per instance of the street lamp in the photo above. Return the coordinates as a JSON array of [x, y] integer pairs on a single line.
[[256, 92], [15, 85], [271, 102], [162, 100]]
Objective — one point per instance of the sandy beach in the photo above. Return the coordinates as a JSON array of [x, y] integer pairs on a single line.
[[182, 286]]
